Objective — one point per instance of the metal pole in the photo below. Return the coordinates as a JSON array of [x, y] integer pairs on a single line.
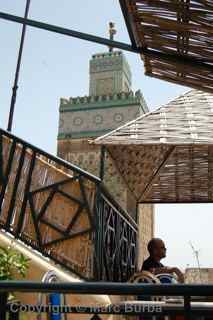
[[15, 86], [187, 61]]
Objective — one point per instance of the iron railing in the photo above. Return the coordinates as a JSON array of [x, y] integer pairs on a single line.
[[186, 308], [53, 206], [118, 241]]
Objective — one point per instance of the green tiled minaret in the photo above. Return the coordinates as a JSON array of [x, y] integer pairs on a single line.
[[109, 74], [110, 104]]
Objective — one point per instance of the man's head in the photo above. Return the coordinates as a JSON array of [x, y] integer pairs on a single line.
[[157, 249]]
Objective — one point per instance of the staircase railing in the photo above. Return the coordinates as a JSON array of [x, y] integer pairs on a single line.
[[64, 212]]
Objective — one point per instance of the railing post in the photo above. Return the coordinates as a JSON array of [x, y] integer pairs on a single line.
[[14, 315], [137, 239], [15, 188], [1, 159], [98, 258], [3, 305], [26, 194], [118, 275], [7, 173], [187, 307]]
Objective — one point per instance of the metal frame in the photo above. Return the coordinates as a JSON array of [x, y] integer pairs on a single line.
[[118, 243], [128, 22], [51, 157], [98, 226], [126, 308], [69, 32], [115, 44], [109, 43], [135, 47], [109, 288]]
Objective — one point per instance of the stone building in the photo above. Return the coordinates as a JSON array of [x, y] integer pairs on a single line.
[[110, 104], [199, 276]]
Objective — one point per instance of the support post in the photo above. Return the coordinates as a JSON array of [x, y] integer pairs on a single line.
[[15, 86], [187, 307], [137, 238]]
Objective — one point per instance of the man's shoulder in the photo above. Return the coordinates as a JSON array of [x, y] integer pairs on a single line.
[[150, 263], [147, 263], [148, 260]]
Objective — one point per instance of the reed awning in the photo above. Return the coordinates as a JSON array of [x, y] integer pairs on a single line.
[[166, 156], [176, 38]]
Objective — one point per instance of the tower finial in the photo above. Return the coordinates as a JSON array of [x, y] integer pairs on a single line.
[[112, 32]]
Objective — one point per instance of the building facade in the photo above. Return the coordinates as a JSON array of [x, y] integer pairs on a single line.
[[199, 276]]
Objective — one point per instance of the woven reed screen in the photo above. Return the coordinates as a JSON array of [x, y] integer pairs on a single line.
[[176, 38], [49, 212], [167, 155], [185, 176]]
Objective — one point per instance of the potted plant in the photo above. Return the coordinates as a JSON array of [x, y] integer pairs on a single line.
[[12, 263]]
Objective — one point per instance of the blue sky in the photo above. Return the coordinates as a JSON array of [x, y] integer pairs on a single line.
[[55, 66]]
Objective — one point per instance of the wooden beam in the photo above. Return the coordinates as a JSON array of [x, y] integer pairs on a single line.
[[156, 173]]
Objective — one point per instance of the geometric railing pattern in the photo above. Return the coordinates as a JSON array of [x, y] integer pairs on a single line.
[[55, 207], [119, 236]]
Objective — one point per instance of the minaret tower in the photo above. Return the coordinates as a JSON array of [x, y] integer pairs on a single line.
[[110, 104]]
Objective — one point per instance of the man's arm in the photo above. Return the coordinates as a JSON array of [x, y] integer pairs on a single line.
[[175, 270]]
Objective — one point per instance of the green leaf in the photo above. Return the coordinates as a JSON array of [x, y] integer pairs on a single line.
[[12, 262]]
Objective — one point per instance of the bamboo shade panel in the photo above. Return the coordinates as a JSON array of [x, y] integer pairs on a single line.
[[176, 38], [50, 209], [167, 155]]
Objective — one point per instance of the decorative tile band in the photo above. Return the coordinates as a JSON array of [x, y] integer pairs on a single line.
[[100, 100]]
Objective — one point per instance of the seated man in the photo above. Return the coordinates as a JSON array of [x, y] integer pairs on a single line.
[[157, 251]]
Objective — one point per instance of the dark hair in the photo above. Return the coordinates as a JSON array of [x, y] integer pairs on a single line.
[[151, 244]]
